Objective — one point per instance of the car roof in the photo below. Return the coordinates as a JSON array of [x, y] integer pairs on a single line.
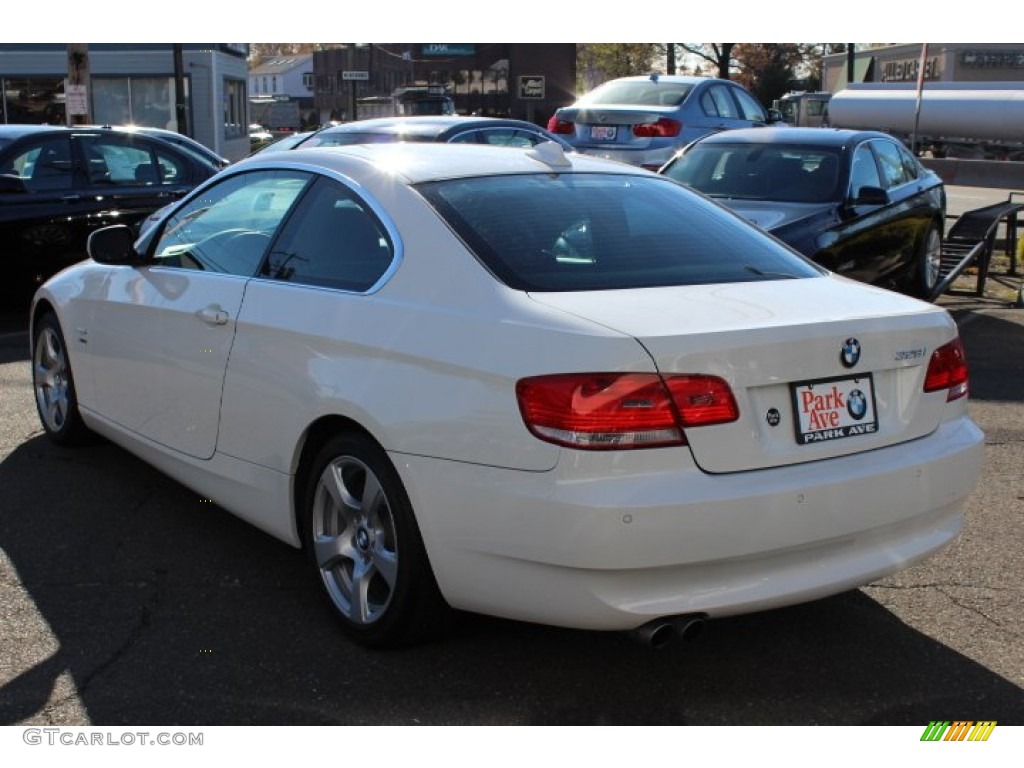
[[17, 131], [426, 125], [824, 137], [690, 79], [423, 162]]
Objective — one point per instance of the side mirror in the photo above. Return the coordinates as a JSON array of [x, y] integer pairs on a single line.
[[12, 185], [871, 196], [113, 245], [775, 116]]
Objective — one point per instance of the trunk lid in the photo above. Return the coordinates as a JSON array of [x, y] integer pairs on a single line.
[[780, 346]]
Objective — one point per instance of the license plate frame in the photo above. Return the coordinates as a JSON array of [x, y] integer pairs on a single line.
[[834, 408]]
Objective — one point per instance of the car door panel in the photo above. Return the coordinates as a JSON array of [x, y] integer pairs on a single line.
[[160, 345]]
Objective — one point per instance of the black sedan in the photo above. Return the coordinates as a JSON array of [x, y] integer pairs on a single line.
[[857, 202], [430, 128], [59, 184]]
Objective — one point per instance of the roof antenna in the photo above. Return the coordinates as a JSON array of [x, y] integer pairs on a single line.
[[550, 153]]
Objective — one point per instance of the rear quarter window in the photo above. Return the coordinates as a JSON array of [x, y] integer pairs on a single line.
[[573, 232]]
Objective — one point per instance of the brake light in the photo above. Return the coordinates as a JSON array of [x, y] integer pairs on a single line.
[[948, 370], [664, 127], [617, 411], [557, 125]]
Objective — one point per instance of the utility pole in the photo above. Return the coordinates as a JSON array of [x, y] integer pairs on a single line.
[[76, 90], [670, 58], [350, 65], [180, 106]]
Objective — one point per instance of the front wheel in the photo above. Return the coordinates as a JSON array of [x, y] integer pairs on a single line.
[[54, 385], [366, 549], [928, 266]]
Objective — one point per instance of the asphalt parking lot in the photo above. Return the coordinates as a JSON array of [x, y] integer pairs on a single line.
[[125, 599]]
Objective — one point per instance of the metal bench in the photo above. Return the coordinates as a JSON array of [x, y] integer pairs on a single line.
[[971, 241]]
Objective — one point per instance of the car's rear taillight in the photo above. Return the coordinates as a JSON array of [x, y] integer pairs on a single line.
[[664, 127], [557, 125], [615, 411], [947, 370]]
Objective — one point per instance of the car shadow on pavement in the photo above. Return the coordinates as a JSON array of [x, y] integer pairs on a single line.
[[165, 609], [994, 344]]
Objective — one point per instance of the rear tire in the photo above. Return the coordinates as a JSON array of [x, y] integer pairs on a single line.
[[365, 547], [54, 385]]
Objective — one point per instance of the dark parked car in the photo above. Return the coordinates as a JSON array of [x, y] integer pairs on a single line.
[[179, 140], [645, 120], [857, 202], [462, 129], [58, 184]]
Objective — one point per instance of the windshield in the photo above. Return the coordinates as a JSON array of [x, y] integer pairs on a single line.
[[760, 172], [640, 93], [579, 232]]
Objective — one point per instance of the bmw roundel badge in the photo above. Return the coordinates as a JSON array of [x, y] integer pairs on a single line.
[[849, 354], [857, 404]]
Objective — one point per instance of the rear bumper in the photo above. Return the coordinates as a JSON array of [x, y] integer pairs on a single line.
[[649, 158], [610, 541]]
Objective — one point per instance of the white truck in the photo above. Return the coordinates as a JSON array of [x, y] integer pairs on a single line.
[[806, 109], [982, 120]]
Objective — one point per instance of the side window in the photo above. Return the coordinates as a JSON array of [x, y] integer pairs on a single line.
[[227, 229], [509, 137], [46, 166], [891, 161], [717, 101], [910, 165], [117, 161], [749, 106], [170, 169], [863, 171], [466, 137], [332, 240]]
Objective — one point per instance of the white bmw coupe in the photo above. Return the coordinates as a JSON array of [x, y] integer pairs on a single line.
[[540, 386]]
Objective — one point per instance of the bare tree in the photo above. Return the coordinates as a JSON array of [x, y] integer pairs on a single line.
[[719, 55]]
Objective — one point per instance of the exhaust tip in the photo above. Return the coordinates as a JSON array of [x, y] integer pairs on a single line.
[[661, 632]]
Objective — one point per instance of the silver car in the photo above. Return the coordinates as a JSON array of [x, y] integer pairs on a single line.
[[645, 120]]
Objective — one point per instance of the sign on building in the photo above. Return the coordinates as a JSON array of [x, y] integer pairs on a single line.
[[531, 86], [355, 74]]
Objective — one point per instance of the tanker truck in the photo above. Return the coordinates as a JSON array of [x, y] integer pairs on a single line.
[[983, 120]]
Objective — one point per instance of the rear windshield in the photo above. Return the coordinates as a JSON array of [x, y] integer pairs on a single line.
[[790, 174], [640, 93], [344, 138], [584, 232]]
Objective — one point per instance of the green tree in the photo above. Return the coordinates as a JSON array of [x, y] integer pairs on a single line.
[[598, 62], [767, 69]]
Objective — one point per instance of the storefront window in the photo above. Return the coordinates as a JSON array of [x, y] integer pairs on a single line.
[[33, 100], [147, 101], [234, 109]]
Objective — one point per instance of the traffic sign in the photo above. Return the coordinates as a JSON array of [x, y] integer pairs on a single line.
[[355, 74]]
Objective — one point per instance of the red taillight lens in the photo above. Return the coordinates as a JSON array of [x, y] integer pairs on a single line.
[[664, 128], [948, 370], [615, 411], [557, 125]]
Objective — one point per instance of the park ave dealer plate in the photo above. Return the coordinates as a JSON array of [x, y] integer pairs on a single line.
[[831, 409]]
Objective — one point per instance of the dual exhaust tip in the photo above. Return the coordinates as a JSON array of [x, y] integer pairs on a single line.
[[664, 631]]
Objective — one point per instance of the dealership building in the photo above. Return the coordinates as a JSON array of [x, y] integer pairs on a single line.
[[528, 81], [135, 83], [956, 62]]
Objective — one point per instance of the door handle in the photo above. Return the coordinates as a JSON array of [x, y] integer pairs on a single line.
[[213, 315]]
